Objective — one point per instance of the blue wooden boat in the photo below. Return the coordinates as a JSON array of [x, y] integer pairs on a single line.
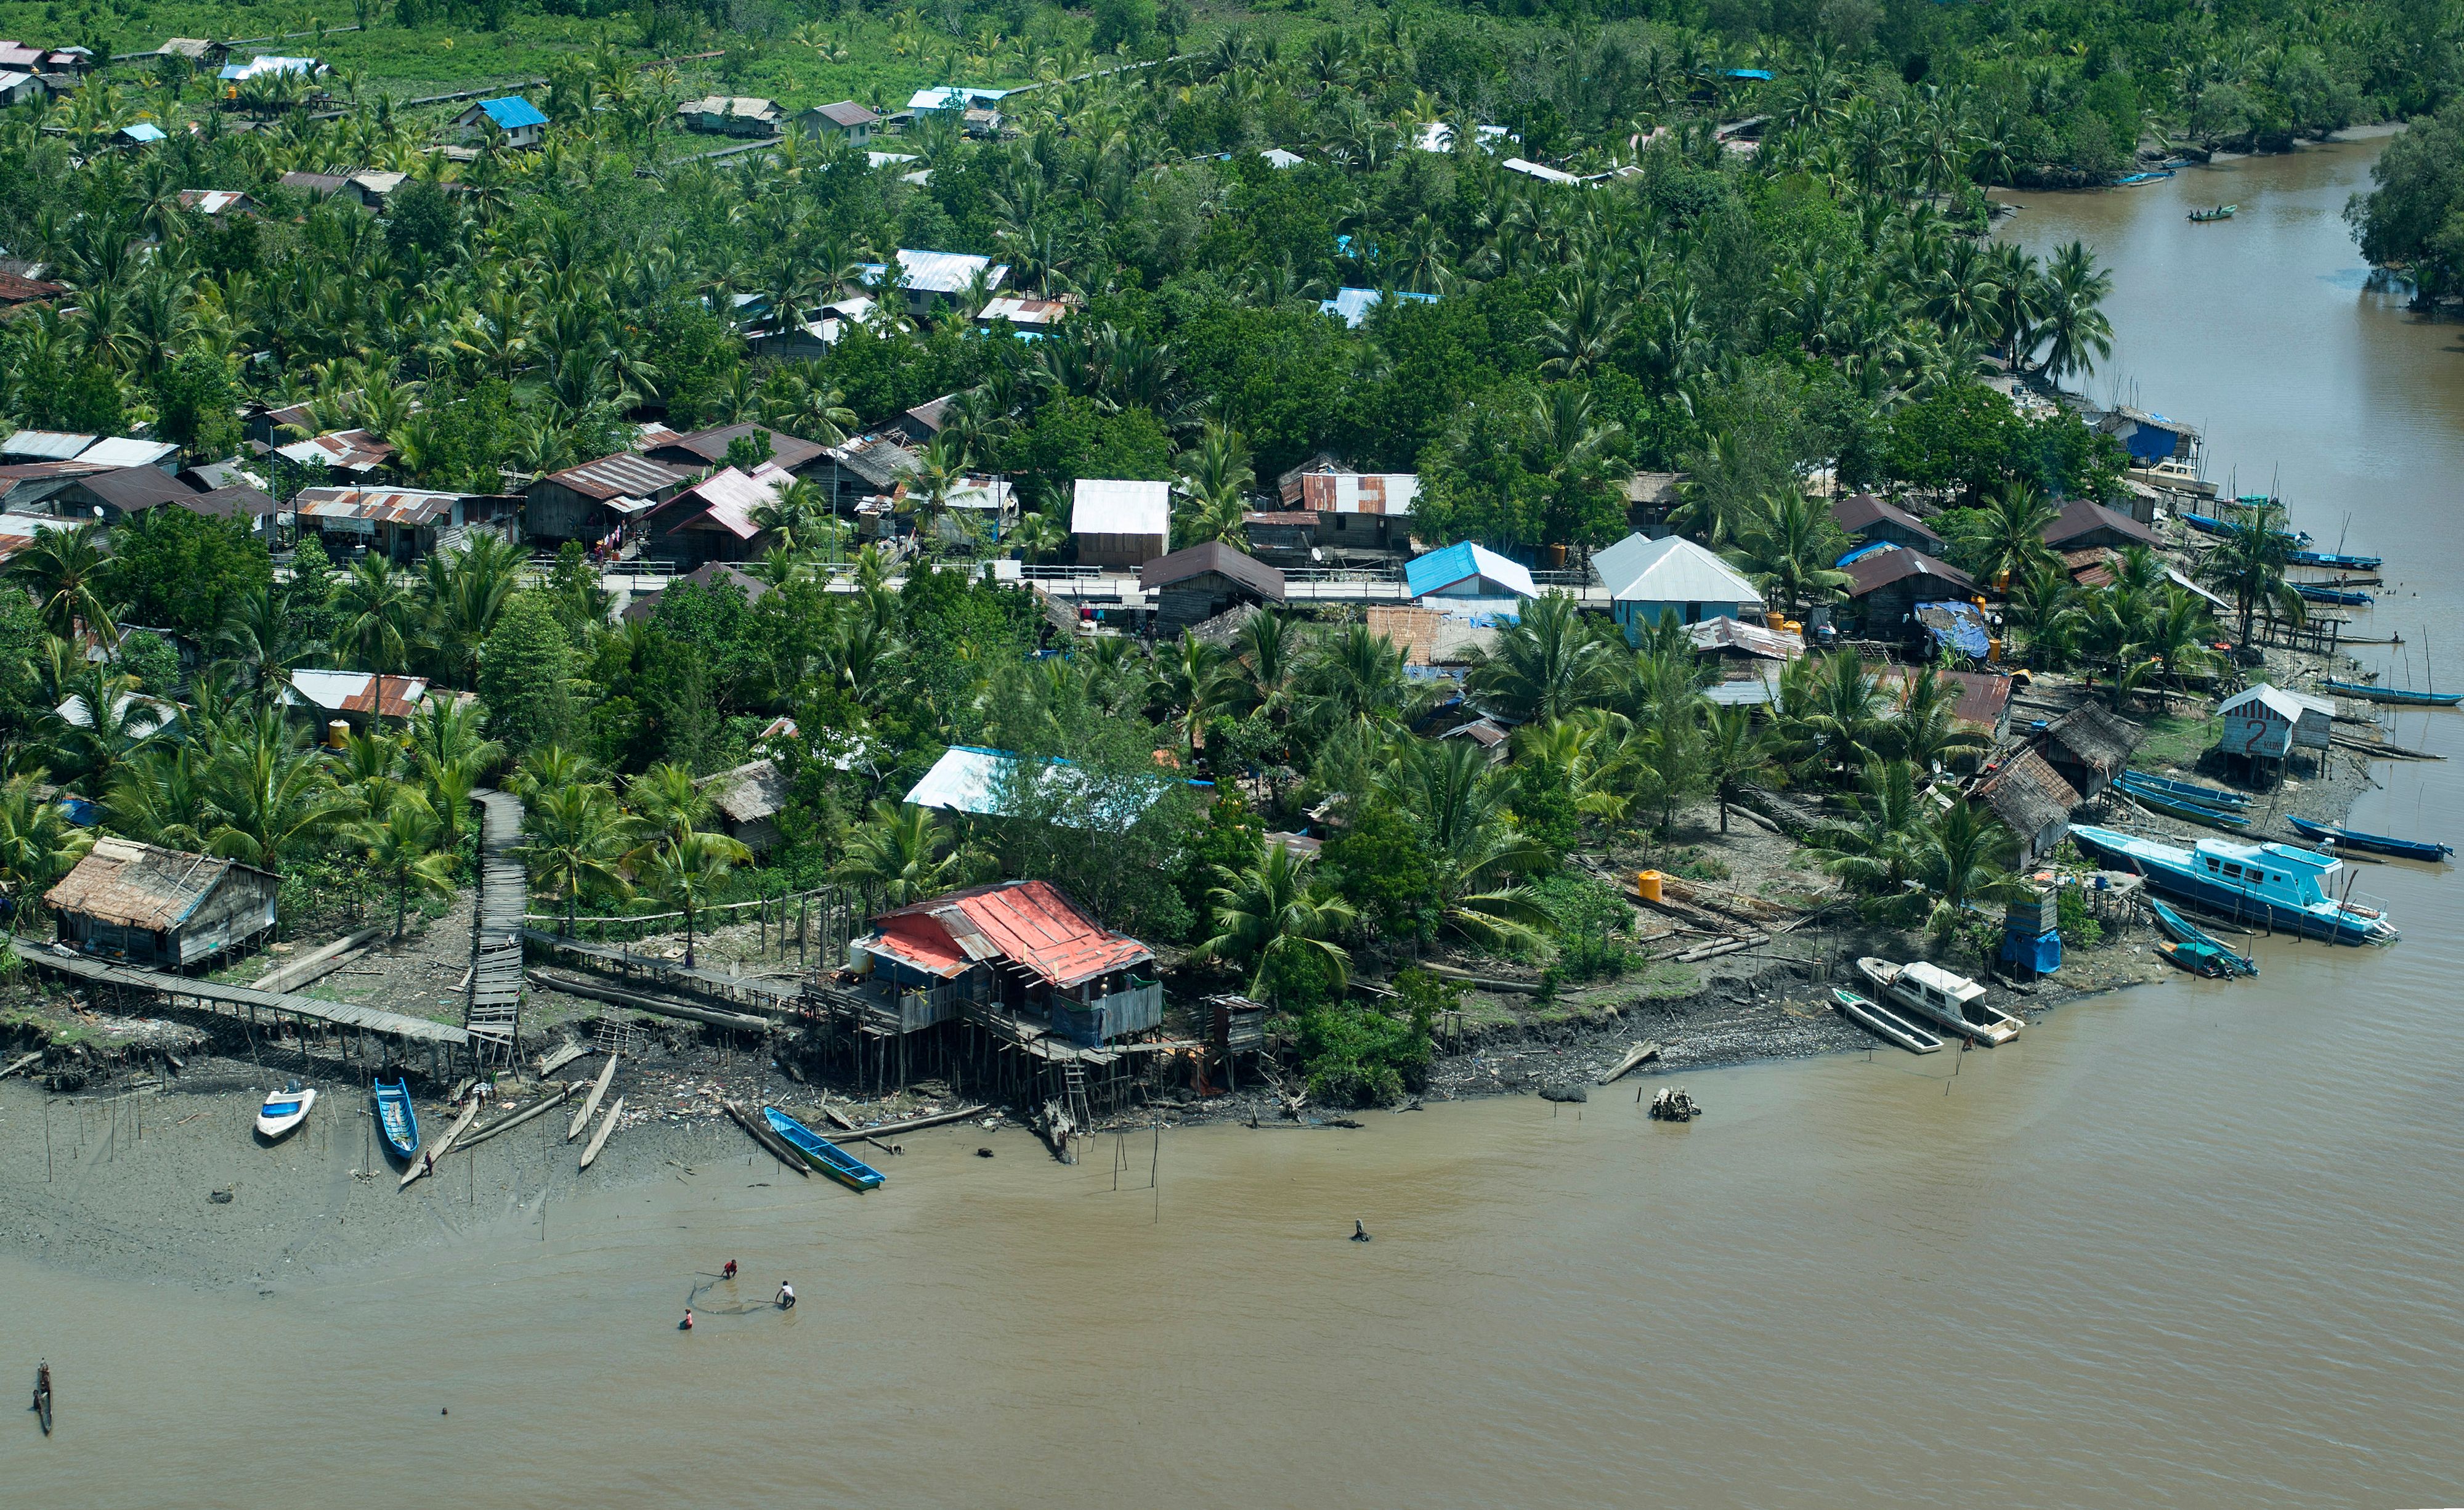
[[2185, 811], [2127, 180], [823, 1154], [2330, 558], [395, 1119], [2185, 791], [2184, 932], [2199, 959], [2397, 695], [2279, 886], [2377, 843], [2346, 596]]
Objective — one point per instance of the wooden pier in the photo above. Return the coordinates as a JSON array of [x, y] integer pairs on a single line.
[[494, 1011], [399, 1035], [756, 993]]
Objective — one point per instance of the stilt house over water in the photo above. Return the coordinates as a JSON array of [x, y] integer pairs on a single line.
[[163, 909]]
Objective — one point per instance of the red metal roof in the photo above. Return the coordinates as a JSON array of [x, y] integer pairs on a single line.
[[1030, 924]]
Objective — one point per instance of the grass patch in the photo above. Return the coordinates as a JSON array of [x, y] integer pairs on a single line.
[[2179, 739]]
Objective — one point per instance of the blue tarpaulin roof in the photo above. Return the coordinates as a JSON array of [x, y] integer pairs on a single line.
[[1957, 626], [1863, 551], [1462, 562], [512, 113]]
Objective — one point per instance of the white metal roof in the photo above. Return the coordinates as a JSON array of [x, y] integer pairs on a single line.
[[1108, 507], [2286, 705], [46, 445], [1958, 988], [1670, 569], [122, 450]]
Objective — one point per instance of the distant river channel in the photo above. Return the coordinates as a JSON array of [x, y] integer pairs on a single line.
[[2188, 1245]]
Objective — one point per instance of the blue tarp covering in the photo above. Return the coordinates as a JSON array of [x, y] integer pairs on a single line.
[[1863, 551], [1957, 626], [512, 113]]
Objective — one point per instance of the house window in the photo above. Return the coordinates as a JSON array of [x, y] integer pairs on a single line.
[[1693, 613]]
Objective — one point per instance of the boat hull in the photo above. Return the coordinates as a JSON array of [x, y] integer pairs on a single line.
[[271, 1125], [2401, 696], [822, 1154], [1883, 1022], [2374, 843], [396, 1122], [2243, 906], [1884, 977]]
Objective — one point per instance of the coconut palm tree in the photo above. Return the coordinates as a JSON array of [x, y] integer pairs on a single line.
[[576, 840], [1546, 664], [270, 793], [1270, 916], [1790, 548], [1927, 727], [73, 579], [1873, 847], [404, 845], [1214, 482], [1474, 848], [683, 867], [898, 855], [159, 798], [380, 612], [2077, 332], [2045, 602], [1354, 678], [258, 636], [106, 724], [2249, 567], [1736, 754], [667, 800], [1847, 717], [1963, 856], [2006, 533], [1189, 684], [37, 843], [463, 592]]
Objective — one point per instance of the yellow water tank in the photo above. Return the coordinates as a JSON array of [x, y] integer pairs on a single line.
[[1992, 653], [1647, 882], [1775, 619], [337, 734], [1793, 627]]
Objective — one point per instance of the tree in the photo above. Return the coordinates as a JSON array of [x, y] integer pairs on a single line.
[[270, 795], [403, 846], [1270, 915], [897, 856], [2250, 567], [1735, 754], [577, 841], [37, 843], [1791, 546], [1476, 856], [2007, 535], [684, 868], [194, 405], [2413, 216], [527, 675], [1874, 848], [73, 580], [379, 609], [2077, 332], [1963, 856], [186, 571], [1548, 662]]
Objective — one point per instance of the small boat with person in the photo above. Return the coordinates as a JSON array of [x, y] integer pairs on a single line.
[[2182, 930], [823, 1154], [2275, 885], [1883, 1022], [1937, 995], [2220, 213], [396, 1120], [42, 1406], [2402, 697], [2376, 843], [284, 1111]]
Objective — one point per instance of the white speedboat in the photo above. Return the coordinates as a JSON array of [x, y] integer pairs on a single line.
[[1937, 995], [284, 1110]]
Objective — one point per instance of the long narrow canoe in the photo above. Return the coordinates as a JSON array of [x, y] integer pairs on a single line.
[[2188, 811], [2183, 930], [823, 1154], [461, 1125], [599, 1138], [2185, 791], [2330, 558], [1883, 1022], [2348, 597], [2377, 843], [2398, 694], [582, 1117], [396, 1120]]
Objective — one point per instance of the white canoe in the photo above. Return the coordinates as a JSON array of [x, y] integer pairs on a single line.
[[1883, 1022], [285, 1110]]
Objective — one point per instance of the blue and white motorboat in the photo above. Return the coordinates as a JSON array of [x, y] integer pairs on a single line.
[[2280, 885], [284, 1110]]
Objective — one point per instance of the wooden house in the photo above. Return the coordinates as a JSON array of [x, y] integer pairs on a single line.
[[402, 525], [1121, 523], [749, 800], [2081, 525], [846, 121], [1886, 587], [597, 499], [1868, 519], [163, 909], [1020, 948], [522, 122], [2266, 723], [717, 518], [2033, 801], [732, 115], [1195, 585], [698, 450], [2089, 746]]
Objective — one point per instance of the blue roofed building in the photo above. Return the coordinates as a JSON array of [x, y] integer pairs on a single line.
[[1351, 305], [1467, 579], [517, 118]]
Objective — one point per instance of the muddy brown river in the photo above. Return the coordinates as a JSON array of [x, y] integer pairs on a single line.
[[2189, 1245]]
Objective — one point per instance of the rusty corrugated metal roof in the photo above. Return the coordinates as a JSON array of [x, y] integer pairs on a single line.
[[410, 506], [1030, 924]]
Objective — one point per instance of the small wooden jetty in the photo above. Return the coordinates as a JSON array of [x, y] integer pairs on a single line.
[[493, 1013], [772, 998]]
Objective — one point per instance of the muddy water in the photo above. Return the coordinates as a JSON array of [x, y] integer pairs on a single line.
[[2191, 1245]]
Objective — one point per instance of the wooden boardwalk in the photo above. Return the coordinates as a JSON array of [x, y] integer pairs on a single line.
[[245, 1001], [494, 1013], [760, 993]]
